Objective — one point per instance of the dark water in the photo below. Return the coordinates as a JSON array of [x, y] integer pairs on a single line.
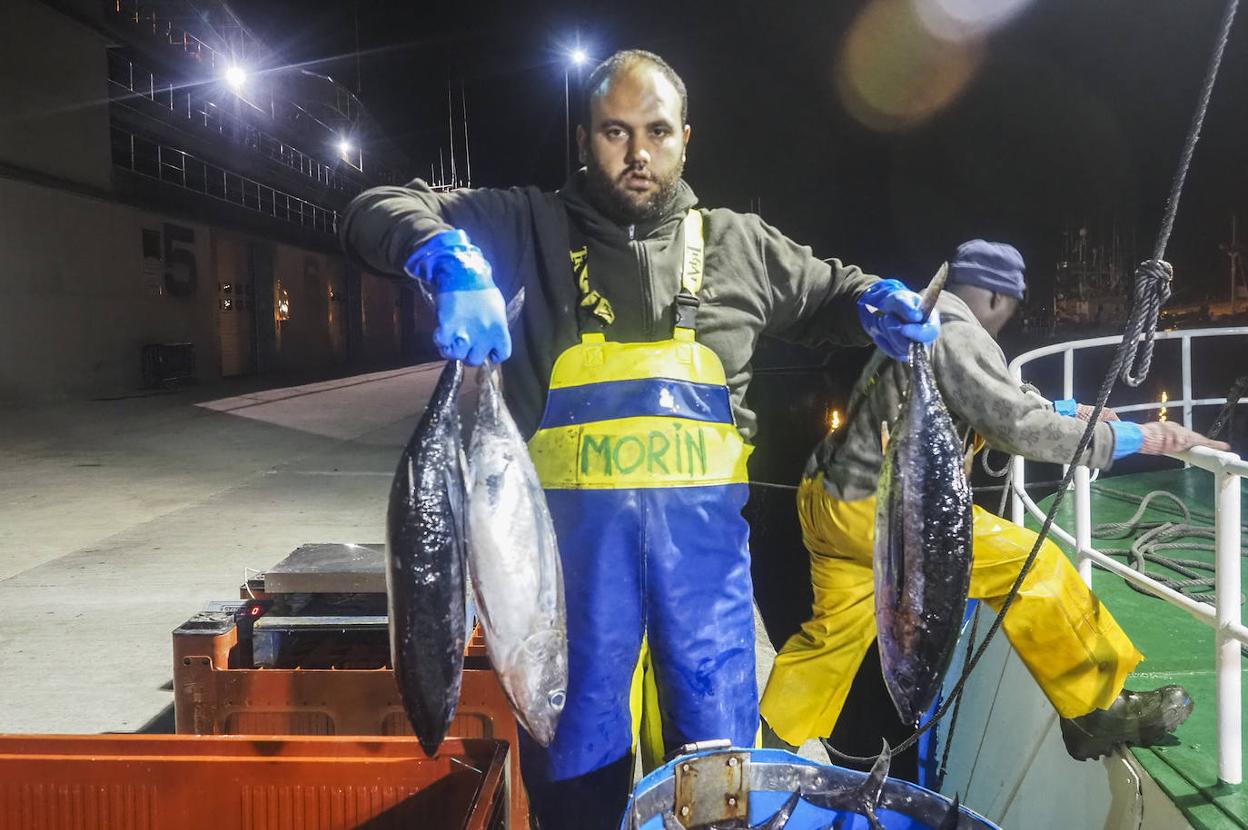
[[792, 392]]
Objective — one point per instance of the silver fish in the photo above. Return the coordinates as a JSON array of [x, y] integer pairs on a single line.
[[516, 573], [425, 565], [922, 554]]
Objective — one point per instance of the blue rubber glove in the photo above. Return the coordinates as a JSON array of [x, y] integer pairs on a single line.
[[1067, 406], [1128, 438], [472, 318], [892, 315]]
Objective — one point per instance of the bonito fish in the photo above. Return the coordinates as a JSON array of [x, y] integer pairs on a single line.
[[923, 527], [514, 560], [425, 565]]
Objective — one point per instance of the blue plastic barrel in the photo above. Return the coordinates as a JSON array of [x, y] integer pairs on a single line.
[[772, 775]]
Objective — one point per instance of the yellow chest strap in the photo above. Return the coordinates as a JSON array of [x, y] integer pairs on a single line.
[[691, 273]]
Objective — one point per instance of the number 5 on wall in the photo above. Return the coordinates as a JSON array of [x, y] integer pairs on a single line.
[[181, 273]]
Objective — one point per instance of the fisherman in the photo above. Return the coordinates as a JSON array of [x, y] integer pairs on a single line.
[[631, 360], [1074, 649]]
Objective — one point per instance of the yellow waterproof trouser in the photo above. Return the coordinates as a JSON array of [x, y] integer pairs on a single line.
[[1074, 649]]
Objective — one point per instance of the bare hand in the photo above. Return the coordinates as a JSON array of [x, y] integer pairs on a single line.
[[1162, 437], [1083, 412]]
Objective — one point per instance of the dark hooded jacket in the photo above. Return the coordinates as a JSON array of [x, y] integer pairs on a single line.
[[756, 281]]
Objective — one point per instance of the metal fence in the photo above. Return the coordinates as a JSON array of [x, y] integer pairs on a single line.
[[184, 102], [1228, 470], [177, 167]]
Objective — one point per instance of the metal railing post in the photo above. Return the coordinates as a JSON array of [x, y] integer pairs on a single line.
[[1083, 522], [1017, 484], [1228, 588], [1068, 385], [1187, 382], [1017, 469]]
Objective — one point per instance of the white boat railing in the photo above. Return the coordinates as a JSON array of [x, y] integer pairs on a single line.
[[1228, 470]]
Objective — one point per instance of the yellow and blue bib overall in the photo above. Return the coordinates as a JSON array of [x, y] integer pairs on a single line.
[[645, 476]]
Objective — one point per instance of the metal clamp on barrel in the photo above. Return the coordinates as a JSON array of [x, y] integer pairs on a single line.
[[712, 788]]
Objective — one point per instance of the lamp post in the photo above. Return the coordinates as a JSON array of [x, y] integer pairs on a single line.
[[577, 58]]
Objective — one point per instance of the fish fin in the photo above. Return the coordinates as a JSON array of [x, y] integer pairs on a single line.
[[780, 819], [868, 794], [871, 789], [952, 818], [455, 495], [514, 305]]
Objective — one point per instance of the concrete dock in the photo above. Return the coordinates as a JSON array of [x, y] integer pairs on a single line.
[[120, 518]]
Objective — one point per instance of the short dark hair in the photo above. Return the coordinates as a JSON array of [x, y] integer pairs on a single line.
[[624, 59]]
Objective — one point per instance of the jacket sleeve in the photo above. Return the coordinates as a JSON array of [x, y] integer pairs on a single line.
[[384, 225], [977, 387], [813, 301]]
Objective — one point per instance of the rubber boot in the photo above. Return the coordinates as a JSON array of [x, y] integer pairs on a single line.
[[1134, 719], [594, 801]]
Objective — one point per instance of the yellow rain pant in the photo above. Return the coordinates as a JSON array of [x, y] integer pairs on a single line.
[[1074, 649]]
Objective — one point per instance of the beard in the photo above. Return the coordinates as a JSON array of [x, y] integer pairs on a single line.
[[612, 198]]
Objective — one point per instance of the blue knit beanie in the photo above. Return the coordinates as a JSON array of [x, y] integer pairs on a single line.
[[992, 265]]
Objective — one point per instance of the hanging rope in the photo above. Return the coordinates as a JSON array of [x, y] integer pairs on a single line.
[[1141, 321], [1152, 290]]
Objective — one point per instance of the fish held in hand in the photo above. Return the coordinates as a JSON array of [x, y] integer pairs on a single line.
[[513, 557], [923, 532], [922, 558], [425, 586]]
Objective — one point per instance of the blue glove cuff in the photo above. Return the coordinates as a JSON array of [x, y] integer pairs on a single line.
[[875, 294], [1066, 406], [450, 262], [1128, 438]]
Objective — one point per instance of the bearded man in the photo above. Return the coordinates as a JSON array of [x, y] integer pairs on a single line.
[[627, 369]]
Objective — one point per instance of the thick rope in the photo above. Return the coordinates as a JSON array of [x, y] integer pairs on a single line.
[[1152, 290], [1137, 321], [1153, 277], [1159, 536]]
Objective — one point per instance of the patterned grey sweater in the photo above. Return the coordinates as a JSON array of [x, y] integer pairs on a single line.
[[975, 383]]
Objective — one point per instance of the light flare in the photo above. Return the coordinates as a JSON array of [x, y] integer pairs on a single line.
[[892, 73], [962, 20]]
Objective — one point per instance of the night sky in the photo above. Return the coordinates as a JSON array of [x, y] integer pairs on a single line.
[[1071, 112]]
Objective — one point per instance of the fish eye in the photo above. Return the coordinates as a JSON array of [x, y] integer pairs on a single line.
[[557, 699]]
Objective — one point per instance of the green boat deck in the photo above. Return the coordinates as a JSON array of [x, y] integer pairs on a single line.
[[1177, 648]]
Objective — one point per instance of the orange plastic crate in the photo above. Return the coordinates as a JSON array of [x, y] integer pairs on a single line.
[[152, 782], [211, 699]]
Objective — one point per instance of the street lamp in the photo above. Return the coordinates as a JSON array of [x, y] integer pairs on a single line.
[[577, 58], [236, 77]]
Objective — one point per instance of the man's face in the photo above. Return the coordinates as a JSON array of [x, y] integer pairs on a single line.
[[635, 146]]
